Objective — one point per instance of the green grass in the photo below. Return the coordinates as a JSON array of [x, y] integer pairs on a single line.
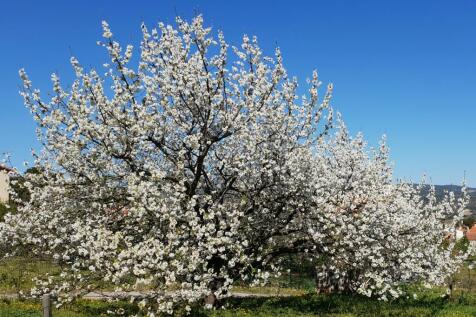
[[81, 308], [429, 303], [16, 273]]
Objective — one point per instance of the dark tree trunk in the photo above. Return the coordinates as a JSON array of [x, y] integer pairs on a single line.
[[211, 300]]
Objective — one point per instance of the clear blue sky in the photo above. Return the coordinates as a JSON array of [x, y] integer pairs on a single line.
[[402, 68]]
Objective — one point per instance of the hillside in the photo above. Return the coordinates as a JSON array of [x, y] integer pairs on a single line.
[[441, 189]]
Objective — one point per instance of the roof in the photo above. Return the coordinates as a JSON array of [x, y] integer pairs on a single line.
[[467, 212], [471, 233], [5, 168]]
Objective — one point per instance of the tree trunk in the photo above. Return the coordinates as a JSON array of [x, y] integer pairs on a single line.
[[324, 284], [210, 300], [216, 264]]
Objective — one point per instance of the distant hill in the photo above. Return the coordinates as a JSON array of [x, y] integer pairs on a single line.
[[441, 189]]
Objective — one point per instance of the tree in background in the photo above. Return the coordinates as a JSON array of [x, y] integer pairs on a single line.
[[373, 235]]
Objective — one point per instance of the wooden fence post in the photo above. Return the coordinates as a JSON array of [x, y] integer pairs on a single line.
[[46, 303]]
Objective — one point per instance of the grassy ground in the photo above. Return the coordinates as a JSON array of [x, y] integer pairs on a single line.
[[16, 274], [301, 306], [348, 306]]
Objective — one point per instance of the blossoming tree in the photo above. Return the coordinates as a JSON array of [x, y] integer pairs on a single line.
[[183, 174], [373, 235]]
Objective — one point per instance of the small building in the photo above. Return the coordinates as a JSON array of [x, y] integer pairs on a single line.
[[460, 233], [4, 183], [471, 233]]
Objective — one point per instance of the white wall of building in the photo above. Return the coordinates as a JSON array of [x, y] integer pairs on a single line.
[[4, 185], [459, 234]]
